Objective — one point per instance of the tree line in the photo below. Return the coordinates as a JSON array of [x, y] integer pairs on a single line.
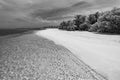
[[102, 22]]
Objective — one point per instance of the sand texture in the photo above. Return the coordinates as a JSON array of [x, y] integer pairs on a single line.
[[29, 57]]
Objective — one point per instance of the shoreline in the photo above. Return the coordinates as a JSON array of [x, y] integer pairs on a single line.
[[100, 52], [48, 58]]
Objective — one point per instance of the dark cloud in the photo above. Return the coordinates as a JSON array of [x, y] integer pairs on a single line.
[[25, 12], [47, 14], [78, 7]]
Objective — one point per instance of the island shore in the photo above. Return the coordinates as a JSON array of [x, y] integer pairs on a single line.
[[100, 51], [31, 57]]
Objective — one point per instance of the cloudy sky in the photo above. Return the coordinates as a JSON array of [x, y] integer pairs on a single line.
[[25, 13]]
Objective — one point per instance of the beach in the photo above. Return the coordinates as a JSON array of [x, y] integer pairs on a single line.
[[100, 51], [32, 57]]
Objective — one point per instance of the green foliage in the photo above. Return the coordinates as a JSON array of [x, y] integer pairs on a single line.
[[63, 25], [110, 21], [105, 22], [71, 26], [92, 18], [68, 25], [79, 19], [84, 27], [103, 27], [94, 27]]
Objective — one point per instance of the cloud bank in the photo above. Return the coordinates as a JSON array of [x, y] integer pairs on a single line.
[[41, 12]]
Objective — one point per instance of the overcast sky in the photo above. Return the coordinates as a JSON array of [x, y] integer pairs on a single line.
[[17, 13]]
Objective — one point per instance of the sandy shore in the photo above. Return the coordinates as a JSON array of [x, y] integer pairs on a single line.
[[100, 52], [29, 57]]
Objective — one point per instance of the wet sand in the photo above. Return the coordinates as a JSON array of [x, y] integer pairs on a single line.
[[29, 57]]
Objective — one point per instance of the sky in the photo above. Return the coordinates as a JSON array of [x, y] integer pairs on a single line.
[[26, 13]]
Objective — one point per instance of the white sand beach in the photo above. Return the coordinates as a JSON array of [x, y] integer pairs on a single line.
[[31, 57], [101, 52]]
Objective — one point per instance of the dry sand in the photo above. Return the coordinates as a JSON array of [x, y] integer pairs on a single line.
[[100, 52], [29, 57]]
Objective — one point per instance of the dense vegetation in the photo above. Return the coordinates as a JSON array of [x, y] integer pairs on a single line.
[[102, 22]]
